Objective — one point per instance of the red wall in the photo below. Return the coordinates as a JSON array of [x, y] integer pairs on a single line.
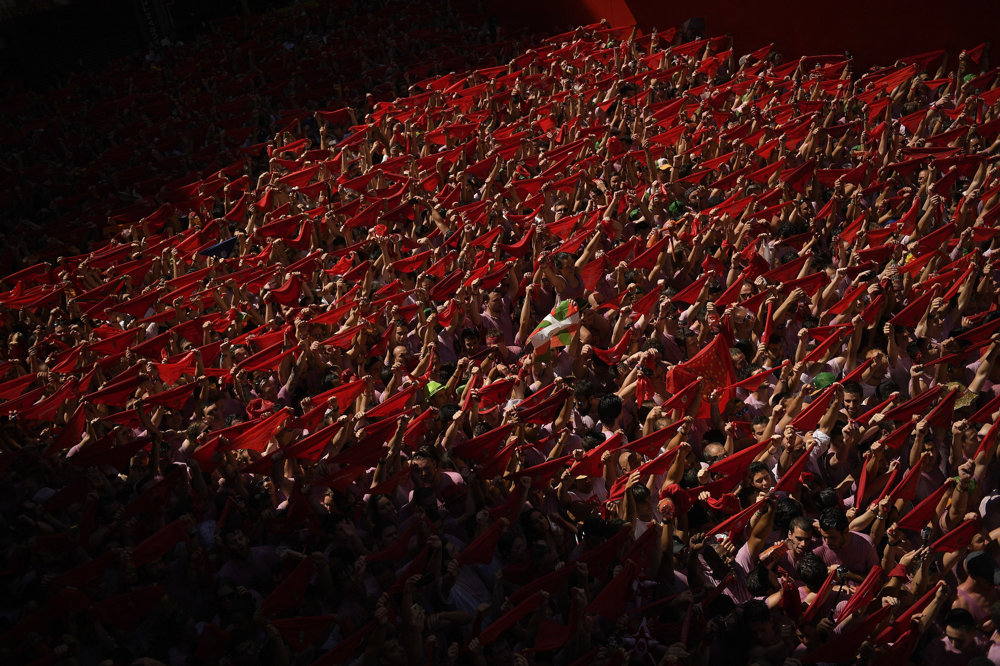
[[875, 32]]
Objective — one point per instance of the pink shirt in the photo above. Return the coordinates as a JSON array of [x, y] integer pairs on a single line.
[[858, 554]]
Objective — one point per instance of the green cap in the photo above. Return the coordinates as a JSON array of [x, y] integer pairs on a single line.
[[823, 380]]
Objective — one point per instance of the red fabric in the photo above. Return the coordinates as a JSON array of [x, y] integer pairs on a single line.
[[790, 480], [941, 414], [902, 622], [599, 558], [347, 649], [481, 549], [345, 338], [736, 464], [46, 409], [158, 544], [268, 359], [715, 365], [590, 464], [810, 416], [923, 512], [843, 647], [610, 601], [809, 614], [735, 525], [126, 611], [863, 595], [544, 410], [174, 398], [689, 294], [490, 634], [15, 387], [959, 537], [651, 444], [910, 315], [393, 404], [914, 406], [115, 393], [291, 590]]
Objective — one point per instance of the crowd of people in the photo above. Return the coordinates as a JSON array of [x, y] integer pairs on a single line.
[[629, 350], [121, 140]]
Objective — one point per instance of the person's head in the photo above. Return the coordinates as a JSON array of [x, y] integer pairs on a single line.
[[922, 177], [213, 416], [833, 527], [712, 452], [609, 409], [535, 525], [880, 363], [995, 613], [583, 395], [980, 541], [400, 354], [983, 569], [385, 534], [853, 397], [494, 302], [826, 498], [960, 627], [801, 536], [401, 328], [238, 544], [759, 621], [786, 509], [643, 502], [472, 341], [425, 467], [758, 426], [812, 571], [738, 357], [381, 509], [760, 476], [563, 262], [628, 461], [759, 582]]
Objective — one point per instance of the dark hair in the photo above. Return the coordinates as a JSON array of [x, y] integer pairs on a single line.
[[756, 611], [592, 439], [801, 523], [827, 499], [885, 389], [562, 259], [445, 371], [759, 581], [583, 388], [853, 388], [812, 571], [959, 618], [426, 453], [609, 408], [981, 565], [713, 435], [447, 411], [640, 493], [833, 518], [995, 613], [786, 510]]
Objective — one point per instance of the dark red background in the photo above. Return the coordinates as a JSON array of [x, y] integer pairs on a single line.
[[875, 32]]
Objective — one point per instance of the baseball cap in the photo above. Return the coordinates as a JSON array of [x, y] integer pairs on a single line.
[[981, 565]]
